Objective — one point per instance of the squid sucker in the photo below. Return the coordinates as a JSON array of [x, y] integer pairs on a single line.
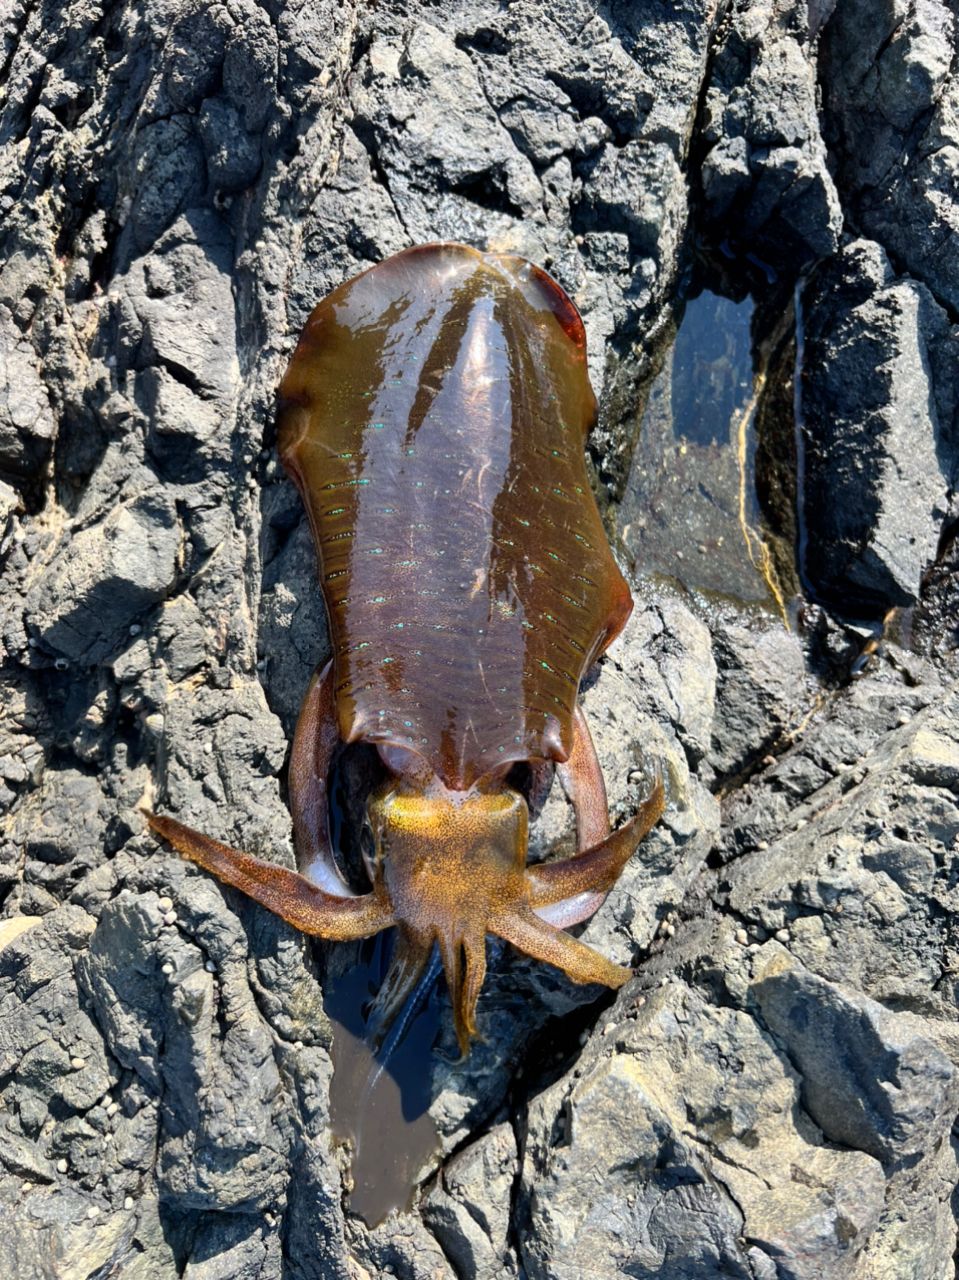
[[434, 418]]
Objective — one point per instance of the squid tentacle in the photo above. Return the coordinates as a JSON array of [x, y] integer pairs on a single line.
[[530, 913], [287, 893], [314, 743], [566, 892], [408, 965], [533, 936]]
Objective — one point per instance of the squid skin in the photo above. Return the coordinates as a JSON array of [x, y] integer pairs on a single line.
[[433, 418]]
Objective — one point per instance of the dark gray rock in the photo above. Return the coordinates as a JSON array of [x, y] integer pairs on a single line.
[[27, 422], [448, 139], [59, 1234], [22, 1158], [880, 932], [761, 691], [469, 1209], [238, 1248], [223, 725], [199, 39], [232, 155], [669, 657], [57, 856], [892, 121], [765, 178], [401, 1247], [178, 188], [891, 1092], [168, 176], [182, 307], [104, 577], [174, 409], [673, 1143], [250, 65], [877, 458]]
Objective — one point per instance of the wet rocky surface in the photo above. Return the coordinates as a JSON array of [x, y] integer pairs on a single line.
[[772, 1097]]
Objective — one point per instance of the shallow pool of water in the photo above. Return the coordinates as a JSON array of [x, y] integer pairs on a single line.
[[379, 1101], [690, 512]]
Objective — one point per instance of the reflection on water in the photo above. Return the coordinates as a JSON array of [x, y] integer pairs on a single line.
[[380, 1103], [690, 511]]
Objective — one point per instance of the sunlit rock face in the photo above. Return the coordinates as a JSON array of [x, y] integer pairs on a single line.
[[754, 208], [878, 448]]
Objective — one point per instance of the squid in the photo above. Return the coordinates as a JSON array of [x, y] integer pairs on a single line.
[[434, 418]]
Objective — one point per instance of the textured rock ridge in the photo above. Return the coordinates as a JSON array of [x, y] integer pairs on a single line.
[[773, 1096]]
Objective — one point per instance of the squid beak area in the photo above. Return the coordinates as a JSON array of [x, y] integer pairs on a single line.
[[464, 966], [460, 937], [449, 864], [455, 871]]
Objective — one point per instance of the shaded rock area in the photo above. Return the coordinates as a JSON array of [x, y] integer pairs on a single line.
[[765, 173], [773, 1096], [879, 420], [889, 101]]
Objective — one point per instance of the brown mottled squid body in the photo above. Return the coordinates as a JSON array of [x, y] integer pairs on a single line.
[[433, 418]]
